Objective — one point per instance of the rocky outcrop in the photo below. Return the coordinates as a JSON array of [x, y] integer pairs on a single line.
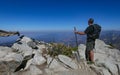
[[8, 33], [41, 64], [106, 60]]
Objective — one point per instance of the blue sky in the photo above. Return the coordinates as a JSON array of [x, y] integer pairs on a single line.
[[58, 15]]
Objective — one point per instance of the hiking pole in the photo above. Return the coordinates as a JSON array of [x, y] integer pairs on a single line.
[[50, 61], [75, 36], [77, 55]]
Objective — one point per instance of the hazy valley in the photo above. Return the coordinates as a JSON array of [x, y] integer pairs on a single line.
[[68, 38]]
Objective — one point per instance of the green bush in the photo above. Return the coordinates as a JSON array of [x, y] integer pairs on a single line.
[[58, 48]]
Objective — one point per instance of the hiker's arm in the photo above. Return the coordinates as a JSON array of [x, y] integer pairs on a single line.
[[81, 33]]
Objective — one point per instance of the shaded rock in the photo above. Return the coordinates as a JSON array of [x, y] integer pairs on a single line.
[[29, 62], [35, 71], [55, 66], [29, 57], [7, 67], [32, 45], [4, 70], [105, 71], [100, 70], [118, 66], [111, 67], [18, 40], [68, 61], [12, 60], [12, 65], [24, 62]]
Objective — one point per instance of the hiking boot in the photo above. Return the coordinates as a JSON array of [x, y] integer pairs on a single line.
[[90, 62]]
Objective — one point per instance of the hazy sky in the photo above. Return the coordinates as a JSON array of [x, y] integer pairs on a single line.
[[37, 15]]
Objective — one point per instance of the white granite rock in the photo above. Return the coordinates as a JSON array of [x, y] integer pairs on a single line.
[[100, 70], [3, 54], [68, 61], [4, 51], [99, 57], [23, 48], [13, 57], [38, 59], [105, 71], [25, 39], [81, 49], [55, 66], [41, 48], [35, 71], [111, 67], [8, 49], [104, 56], [100, 44]]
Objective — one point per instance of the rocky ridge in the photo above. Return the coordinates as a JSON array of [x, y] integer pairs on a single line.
[[107, 60]]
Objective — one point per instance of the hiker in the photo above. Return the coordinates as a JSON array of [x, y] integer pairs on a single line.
[[92, 32], [6, 33]]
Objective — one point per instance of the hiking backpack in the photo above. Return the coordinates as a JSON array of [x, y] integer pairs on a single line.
[[96, 32]]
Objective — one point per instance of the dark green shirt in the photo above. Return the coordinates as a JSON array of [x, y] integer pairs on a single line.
[[89, 31]]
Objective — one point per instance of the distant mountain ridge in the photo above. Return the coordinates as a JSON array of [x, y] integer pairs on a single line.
[[68, 38], [111, 37]]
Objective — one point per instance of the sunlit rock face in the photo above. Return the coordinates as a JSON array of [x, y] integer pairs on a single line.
[[105, 57]]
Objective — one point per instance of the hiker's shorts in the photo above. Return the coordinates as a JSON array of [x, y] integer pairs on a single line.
[[90, 45]]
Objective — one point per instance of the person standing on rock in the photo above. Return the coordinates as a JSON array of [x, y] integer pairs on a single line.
[[92, 32]]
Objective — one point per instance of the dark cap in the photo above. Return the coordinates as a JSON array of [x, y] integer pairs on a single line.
[[91, 20]]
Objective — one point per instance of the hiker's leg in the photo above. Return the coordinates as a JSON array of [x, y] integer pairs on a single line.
[[87, 55], [92, 56], [92, 44], [87, 52], [90, 53]]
